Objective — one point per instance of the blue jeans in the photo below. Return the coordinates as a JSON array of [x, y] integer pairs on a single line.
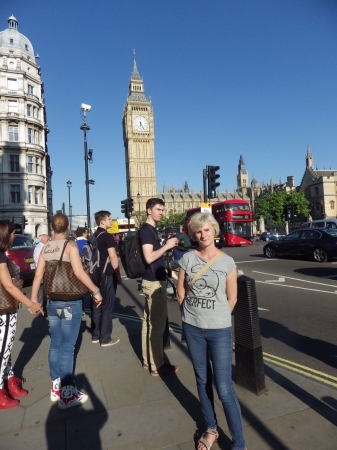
[[215, 345], [64, 322]]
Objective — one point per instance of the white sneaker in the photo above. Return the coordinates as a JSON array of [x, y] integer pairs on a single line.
[[71, 396], [55, 390]]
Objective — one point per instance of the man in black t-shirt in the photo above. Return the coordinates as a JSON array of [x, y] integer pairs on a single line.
[[108, 264], [154, 290]]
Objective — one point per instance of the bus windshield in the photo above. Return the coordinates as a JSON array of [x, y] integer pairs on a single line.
[[243, 229]]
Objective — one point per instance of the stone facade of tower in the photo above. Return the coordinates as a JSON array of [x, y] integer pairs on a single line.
[[25, 173], [138, 135], [320, 188]]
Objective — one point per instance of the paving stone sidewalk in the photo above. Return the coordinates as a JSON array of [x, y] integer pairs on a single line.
[[130, 410]]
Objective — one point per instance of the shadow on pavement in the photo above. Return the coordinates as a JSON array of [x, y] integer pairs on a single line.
[[81, 430], [31, 337], [316, 348]]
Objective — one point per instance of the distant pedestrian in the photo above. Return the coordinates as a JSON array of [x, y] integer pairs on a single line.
[[154, 290], [81, 238]]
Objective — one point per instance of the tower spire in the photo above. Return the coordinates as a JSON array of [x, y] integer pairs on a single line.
[[135, 74]]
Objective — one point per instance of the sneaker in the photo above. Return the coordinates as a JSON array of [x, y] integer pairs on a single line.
[[81, 396], [165, 369], [94, 341], [55, 390], [71, 396], [112, 342]]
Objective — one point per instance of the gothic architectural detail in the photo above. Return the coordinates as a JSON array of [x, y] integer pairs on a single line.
[[25, 173], [320, 188], [138, 135]]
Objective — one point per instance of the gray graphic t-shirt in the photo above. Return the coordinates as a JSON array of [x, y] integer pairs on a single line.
[[206, 304]]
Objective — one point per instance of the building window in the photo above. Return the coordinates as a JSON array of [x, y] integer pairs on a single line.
[[316, 191], [11, 41], [13, 133], [332, 204], [30, 89], [29, 110], [15, 193], [14, 163], [30, 136], [317, 206], [12, 106], [11, 65], [37, 191], [26, 47], [34, 111], [36, 137], [12, 84], [11, 52], [30, 164], [37, 166], [30, 193]]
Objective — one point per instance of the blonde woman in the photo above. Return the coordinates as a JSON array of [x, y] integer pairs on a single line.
[[206, 307]]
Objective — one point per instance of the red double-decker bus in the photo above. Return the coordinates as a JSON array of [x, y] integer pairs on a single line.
[[234, 218]]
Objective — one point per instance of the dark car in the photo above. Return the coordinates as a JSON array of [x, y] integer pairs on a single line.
[[317, 244], [21, 254], [264, 236]]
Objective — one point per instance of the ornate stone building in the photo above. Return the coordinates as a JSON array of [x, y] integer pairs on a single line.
[[320, 188], [138, 135], [25, 173]]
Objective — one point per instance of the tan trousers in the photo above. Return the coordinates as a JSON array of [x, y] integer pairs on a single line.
[[155, 314]]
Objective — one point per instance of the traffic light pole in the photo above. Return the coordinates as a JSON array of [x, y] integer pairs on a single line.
[[204, 175]]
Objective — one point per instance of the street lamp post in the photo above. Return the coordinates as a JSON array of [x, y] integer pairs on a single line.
[[69, 185], [87, 157]]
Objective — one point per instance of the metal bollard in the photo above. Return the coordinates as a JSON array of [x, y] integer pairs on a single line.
[[248, 345]]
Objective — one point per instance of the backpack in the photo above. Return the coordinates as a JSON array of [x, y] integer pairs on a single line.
[[131, 255], [90, 257]]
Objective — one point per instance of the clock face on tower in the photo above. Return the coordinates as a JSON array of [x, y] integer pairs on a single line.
[[140, 123]]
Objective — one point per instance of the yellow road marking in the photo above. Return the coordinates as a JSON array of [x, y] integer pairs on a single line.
[[290, 365]]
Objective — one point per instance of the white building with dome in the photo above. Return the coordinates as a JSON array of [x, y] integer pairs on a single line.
[[25, 173]]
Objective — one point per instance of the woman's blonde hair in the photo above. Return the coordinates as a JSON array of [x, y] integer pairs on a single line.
[[201, 219], [60, 223]]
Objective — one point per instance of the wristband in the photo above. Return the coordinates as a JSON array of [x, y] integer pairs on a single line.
[[96, 292]]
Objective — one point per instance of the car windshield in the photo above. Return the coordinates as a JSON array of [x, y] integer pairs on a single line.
[[331, 231], [21, 242]]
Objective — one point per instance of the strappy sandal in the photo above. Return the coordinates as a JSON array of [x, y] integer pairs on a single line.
[[203, 441]]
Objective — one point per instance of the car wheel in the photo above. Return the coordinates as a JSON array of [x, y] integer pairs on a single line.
[[269, 251], [319, 255]]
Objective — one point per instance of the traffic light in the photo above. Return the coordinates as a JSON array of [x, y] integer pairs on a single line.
[[293, 210], [287, 211], [24, 222], [125, 207], [212, 183], [130, 206]]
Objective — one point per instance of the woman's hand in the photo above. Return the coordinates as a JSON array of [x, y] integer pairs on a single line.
[[97, 298], [35, 308]]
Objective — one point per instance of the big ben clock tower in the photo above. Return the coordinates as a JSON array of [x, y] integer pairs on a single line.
[[138, 135]]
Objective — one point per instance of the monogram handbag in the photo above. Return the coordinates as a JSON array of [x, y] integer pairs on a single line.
[[60, 281], [8, 304]]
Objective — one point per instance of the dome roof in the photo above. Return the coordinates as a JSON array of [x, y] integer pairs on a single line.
[[13, 39]]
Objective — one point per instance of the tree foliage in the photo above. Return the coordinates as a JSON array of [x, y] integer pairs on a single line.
[[273, 205], [172, 219]]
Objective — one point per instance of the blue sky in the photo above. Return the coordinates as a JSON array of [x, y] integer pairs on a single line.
[[226, 77]]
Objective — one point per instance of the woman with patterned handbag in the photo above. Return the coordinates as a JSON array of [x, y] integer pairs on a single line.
[[207, 293], [66, 283], [10, 296]]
